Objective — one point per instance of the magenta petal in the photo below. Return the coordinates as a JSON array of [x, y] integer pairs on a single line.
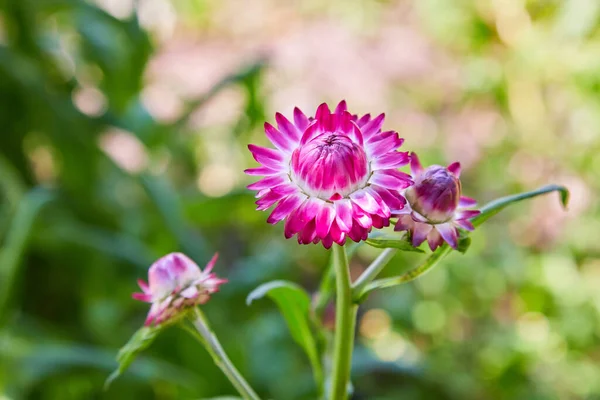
[[415, 165], [261, 171], [302, 216], [269, 182], [265, 156], [285, 207], [343, 211], [287, 128], [324, 220], [383, 208], [362, 218], [373, 127], [268, 200], [323, 112], [211, 263], [300, 120], [281, 141], [454, 168], [390, 179], [365, 200], [142, 297], [467, 202], [341, 107], [363, 120], [419, 233], [394, 200], [466, 214], [392, 160], [449, 234], [465, 224], [143, 285]]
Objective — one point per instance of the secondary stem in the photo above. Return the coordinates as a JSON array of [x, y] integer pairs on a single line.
[[345, 318], [219, 356], [372, 271]]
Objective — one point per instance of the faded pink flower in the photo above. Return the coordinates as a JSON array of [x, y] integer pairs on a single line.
[[175, 282], [435, 206], [331, 177]]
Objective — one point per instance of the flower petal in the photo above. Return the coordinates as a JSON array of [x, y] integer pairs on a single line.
[[415, 165], [448, 232], [267, 157], [467, 202], [465, 224], [269, 182], [391, 179], [324, 219], [285, 207], [454, 168], [434, 239], [287, 128], [300, 120], [281, 141], [343, 211], [466, 214], [419, 233], [395, 159]]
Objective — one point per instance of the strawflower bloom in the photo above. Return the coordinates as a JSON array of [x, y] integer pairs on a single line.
[[175, 283], [435, 206], [330, 177]]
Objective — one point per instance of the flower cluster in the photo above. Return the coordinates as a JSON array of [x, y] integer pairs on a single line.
[[175, 283], [336, 176]]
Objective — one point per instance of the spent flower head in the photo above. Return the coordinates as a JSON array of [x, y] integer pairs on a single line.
[[435, 205], [175, 283], [330, 177]]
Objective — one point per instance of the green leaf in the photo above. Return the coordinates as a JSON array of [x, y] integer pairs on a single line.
[[400, 244], [16, 241], [294, 304], [140, 341], [487, 211], [494, 207]]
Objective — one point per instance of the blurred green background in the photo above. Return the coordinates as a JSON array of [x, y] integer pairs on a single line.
[[124, 127]]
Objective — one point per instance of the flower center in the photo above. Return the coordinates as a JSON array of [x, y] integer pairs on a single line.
[[330, 164]]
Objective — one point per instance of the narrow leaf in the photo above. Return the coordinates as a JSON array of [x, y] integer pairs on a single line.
[[487, 211], [294, 305], [494, 207], [400, 244], [140, 341]]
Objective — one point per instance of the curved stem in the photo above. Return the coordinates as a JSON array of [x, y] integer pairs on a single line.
[[345, 318], [210, 341], [372, 271]]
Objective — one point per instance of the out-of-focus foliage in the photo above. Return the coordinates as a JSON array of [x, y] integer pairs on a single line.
[[124, 126]]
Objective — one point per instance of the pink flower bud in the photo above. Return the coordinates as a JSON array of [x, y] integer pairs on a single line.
[[175, 283], [435, 206], [435, 194]]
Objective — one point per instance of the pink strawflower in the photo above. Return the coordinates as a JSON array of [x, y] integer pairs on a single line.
[[435, 206], [331, 177], [175, 283]]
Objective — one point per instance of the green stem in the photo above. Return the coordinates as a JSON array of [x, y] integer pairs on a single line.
[[372, 271], [345, 318], [210, 341]]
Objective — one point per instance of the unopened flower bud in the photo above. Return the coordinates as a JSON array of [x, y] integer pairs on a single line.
[[175, 283]]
